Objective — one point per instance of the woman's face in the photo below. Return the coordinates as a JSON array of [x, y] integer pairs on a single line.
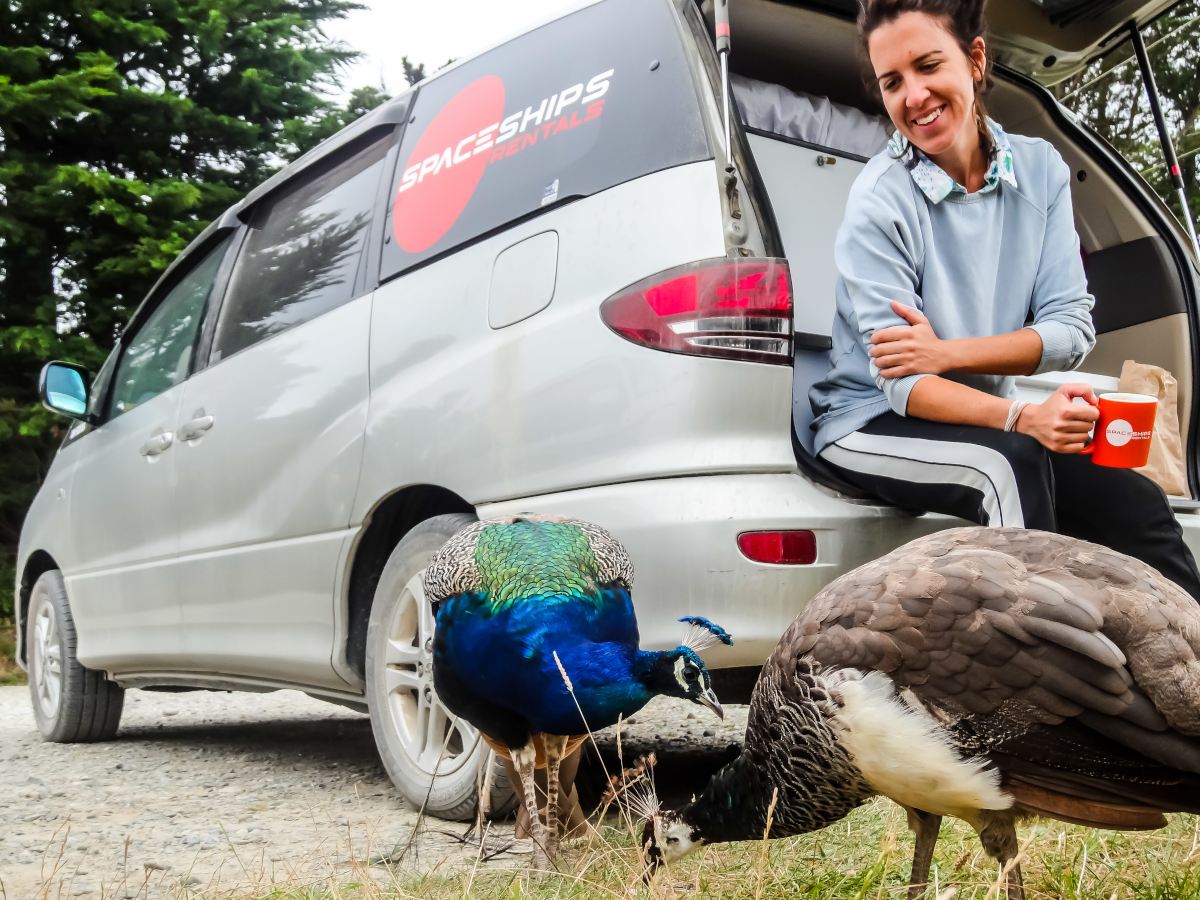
[[927, 82]]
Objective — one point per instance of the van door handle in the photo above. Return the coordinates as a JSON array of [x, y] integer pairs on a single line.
[[195, 428], [157, 444]]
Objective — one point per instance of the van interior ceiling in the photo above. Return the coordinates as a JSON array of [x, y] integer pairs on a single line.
[[1141, 306]]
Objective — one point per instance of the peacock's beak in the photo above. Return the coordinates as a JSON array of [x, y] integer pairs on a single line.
[[709, 699]]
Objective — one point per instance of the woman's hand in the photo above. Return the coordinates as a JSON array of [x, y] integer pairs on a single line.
[[911, 349], [1058, 423]]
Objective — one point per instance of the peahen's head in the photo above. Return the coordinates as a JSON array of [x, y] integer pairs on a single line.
[[666, 837], [681, 672]]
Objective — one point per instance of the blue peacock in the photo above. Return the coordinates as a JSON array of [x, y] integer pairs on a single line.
[[537, 643]]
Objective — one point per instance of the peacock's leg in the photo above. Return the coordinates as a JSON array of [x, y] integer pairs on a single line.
[[926, 827], [525, 759], [555, 747], [999, 838], [574, 823]]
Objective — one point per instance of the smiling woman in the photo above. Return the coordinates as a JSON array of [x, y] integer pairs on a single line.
[[958, 269], [932, 80]]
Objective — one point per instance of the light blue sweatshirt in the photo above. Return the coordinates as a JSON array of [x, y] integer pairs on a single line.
[[975, 264]]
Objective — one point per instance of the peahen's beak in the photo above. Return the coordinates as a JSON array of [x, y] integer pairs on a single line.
[[709, 699]]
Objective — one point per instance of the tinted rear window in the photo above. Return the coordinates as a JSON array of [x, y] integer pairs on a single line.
[[597, 98]]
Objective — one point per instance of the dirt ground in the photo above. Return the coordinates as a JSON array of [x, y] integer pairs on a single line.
[[210, 793]]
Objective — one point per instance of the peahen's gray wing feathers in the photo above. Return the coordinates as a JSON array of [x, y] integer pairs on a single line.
[[1012, 629]]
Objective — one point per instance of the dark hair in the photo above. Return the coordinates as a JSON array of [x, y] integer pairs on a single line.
[[965, 21]]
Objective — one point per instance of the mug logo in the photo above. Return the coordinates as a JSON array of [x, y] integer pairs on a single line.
[[1119, 432]]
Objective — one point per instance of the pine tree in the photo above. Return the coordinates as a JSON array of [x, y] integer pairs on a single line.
[[124, 128]]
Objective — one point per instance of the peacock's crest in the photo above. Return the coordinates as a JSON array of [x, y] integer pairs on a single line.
[[703, 633], [527, 556]]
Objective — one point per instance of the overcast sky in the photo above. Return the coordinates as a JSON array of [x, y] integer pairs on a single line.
[[429, 32]]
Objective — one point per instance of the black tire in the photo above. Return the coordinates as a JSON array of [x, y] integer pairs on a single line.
[[71, 703], [435, 768]]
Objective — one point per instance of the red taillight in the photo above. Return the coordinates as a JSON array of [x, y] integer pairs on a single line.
[[732, 308], [783, 548]]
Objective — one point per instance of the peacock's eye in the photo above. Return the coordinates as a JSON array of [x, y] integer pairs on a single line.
[[672, 840], [691, 673]]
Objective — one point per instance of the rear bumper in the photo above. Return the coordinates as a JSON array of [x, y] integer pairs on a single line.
[[682, 535]]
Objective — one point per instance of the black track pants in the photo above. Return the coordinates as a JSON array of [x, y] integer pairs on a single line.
[[999, 478]]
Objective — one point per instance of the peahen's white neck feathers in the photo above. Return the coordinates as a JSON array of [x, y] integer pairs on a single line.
[[904, 754]]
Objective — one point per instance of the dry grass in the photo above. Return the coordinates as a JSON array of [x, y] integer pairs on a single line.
[[10, 672], [865, 857]]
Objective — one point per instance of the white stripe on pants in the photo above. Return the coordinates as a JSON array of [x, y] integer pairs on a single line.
[[935, 462]]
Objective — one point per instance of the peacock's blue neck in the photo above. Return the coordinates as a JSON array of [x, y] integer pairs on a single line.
[[644, 664], [609, 681]]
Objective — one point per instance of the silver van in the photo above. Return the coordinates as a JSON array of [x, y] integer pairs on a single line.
[[535, 282]]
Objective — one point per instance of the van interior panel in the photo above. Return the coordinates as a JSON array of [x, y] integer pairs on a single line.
[[1047, 39]]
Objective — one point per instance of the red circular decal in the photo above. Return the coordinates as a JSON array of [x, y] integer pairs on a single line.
[[445, 166]]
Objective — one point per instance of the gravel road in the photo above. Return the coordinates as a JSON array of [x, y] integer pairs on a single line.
[[222, 793]]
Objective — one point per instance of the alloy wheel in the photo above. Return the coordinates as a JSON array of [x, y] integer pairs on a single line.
[[433, 738], [45, 660]]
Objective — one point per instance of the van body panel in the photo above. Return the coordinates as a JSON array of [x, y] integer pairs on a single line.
[[559, 400], [265, 495], [523, 279], [45, 528], [681, 534], [117, 569], [1189, 521], [263, 610]]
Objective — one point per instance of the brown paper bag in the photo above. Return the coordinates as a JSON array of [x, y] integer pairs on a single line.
[[1165, 464]]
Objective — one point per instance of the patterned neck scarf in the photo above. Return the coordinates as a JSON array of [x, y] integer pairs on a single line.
[[936, 184]]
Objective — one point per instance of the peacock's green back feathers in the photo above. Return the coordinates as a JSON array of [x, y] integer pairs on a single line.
[[529, 559]]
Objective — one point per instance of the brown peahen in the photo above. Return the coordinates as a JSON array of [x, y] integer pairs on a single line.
[[985, 673]]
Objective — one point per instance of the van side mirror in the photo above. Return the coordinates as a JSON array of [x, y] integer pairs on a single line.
[[63, 388]]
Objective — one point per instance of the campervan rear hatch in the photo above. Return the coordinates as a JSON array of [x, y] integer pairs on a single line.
[[1048, 40]]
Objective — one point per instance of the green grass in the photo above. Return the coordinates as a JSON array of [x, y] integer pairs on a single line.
[[865, 857], [10, 672]]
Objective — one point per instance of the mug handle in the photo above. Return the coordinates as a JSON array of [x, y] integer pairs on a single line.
[[1089, 449]]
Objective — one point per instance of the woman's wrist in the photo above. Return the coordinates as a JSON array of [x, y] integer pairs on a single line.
[[1023, 418], [1015, 409], [953, 353]]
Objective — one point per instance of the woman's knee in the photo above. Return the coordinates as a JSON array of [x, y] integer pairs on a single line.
[[1025, 454], [1145, 494], [1099, 492]]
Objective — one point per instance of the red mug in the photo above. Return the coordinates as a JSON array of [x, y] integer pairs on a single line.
[[1122, 435]]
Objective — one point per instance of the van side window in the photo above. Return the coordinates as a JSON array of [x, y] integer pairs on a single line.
[[158, 355], [595, 99], [302, 255]]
